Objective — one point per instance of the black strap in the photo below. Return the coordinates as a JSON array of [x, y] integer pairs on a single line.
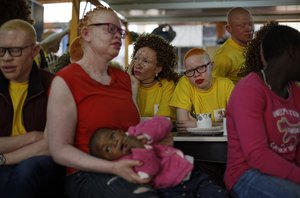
[[43, 63]]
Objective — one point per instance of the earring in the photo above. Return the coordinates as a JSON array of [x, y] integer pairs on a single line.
[[156, 75]]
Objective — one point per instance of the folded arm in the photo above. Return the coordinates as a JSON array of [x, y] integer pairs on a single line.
[[184, 120], [30, 150], [12, 143]]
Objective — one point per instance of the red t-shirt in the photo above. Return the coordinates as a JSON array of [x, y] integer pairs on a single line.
[[98, 105]]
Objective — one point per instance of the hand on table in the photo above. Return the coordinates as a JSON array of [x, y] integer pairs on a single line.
[[183, 125]]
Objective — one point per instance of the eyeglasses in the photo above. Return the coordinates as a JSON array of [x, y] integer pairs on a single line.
[[112, 28], [13, 51], [200, 69]]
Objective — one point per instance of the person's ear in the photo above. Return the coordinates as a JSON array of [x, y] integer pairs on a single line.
[[35, 50], [228, 28], [85, 34], [158, 69]]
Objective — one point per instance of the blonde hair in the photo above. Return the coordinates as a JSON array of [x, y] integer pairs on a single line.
[[84, 22], [19, 25], [196, 51]]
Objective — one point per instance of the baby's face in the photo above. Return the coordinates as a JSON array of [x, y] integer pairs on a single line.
[[114, 144]]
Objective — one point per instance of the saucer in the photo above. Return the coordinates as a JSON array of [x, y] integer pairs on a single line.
[[215, 130]]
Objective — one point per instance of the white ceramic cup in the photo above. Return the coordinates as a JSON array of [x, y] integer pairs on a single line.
[[204, 120]]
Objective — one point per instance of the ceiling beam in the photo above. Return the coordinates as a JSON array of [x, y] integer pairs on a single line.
[[203, 4], [204, 19]]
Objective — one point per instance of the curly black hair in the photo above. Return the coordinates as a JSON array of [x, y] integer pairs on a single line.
[[17, 9], [253, 61], [165, 54]]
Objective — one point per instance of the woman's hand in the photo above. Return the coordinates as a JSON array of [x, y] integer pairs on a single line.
[[182, 125], [124, 169], [135, 83], [185, 120]]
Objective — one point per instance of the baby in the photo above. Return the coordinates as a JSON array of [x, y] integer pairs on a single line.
[[165, 165]]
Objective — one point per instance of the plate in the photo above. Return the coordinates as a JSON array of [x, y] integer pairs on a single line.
[[215, 130]]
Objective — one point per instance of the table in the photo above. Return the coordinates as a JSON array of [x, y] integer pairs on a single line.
[[209, 152], [203, 148]]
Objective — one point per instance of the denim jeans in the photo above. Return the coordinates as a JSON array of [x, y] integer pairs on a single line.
[[94, 185], [255, 184], [199, 185], [32, 178]]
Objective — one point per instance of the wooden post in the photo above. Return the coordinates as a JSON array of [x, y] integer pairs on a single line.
[[75, 19]]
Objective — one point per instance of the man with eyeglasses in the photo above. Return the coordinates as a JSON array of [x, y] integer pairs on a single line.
[[198, 92], [26, 169]]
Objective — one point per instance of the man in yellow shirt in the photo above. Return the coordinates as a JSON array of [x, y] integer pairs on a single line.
[[198, 92], [26, 169], [229, 57]]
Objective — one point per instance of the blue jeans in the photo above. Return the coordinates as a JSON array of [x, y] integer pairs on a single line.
[[255, 184], [32, 178], [94, 185], [199, 185]]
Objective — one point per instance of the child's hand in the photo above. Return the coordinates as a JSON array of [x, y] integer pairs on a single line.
[[133, 142], [142, 138]]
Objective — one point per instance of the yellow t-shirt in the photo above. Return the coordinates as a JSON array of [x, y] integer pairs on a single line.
[[18, 93], [228, 60], [191, 98], [155, 100]]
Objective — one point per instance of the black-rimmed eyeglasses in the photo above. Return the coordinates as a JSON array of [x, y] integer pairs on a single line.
[[112, 28], [200, 69], [13, 51]]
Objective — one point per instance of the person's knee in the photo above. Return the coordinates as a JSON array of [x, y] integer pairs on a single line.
[[38, 165]]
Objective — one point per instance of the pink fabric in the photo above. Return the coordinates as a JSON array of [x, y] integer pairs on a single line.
[[263, 131], [174, 168], [157, 128], [165, 163], [149, 158]]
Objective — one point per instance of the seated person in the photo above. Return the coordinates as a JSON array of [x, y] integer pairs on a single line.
[[198, 92], [153, 62], [263, 120], [161, 162], [170, 171]]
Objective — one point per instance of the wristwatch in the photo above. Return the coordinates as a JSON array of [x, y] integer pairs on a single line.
[[2, 160]]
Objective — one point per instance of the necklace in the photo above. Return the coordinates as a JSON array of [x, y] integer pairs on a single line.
[[149, 82], [265, 80]]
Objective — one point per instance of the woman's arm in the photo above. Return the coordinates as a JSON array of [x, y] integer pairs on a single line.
[[184, 120], [135, 84]]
